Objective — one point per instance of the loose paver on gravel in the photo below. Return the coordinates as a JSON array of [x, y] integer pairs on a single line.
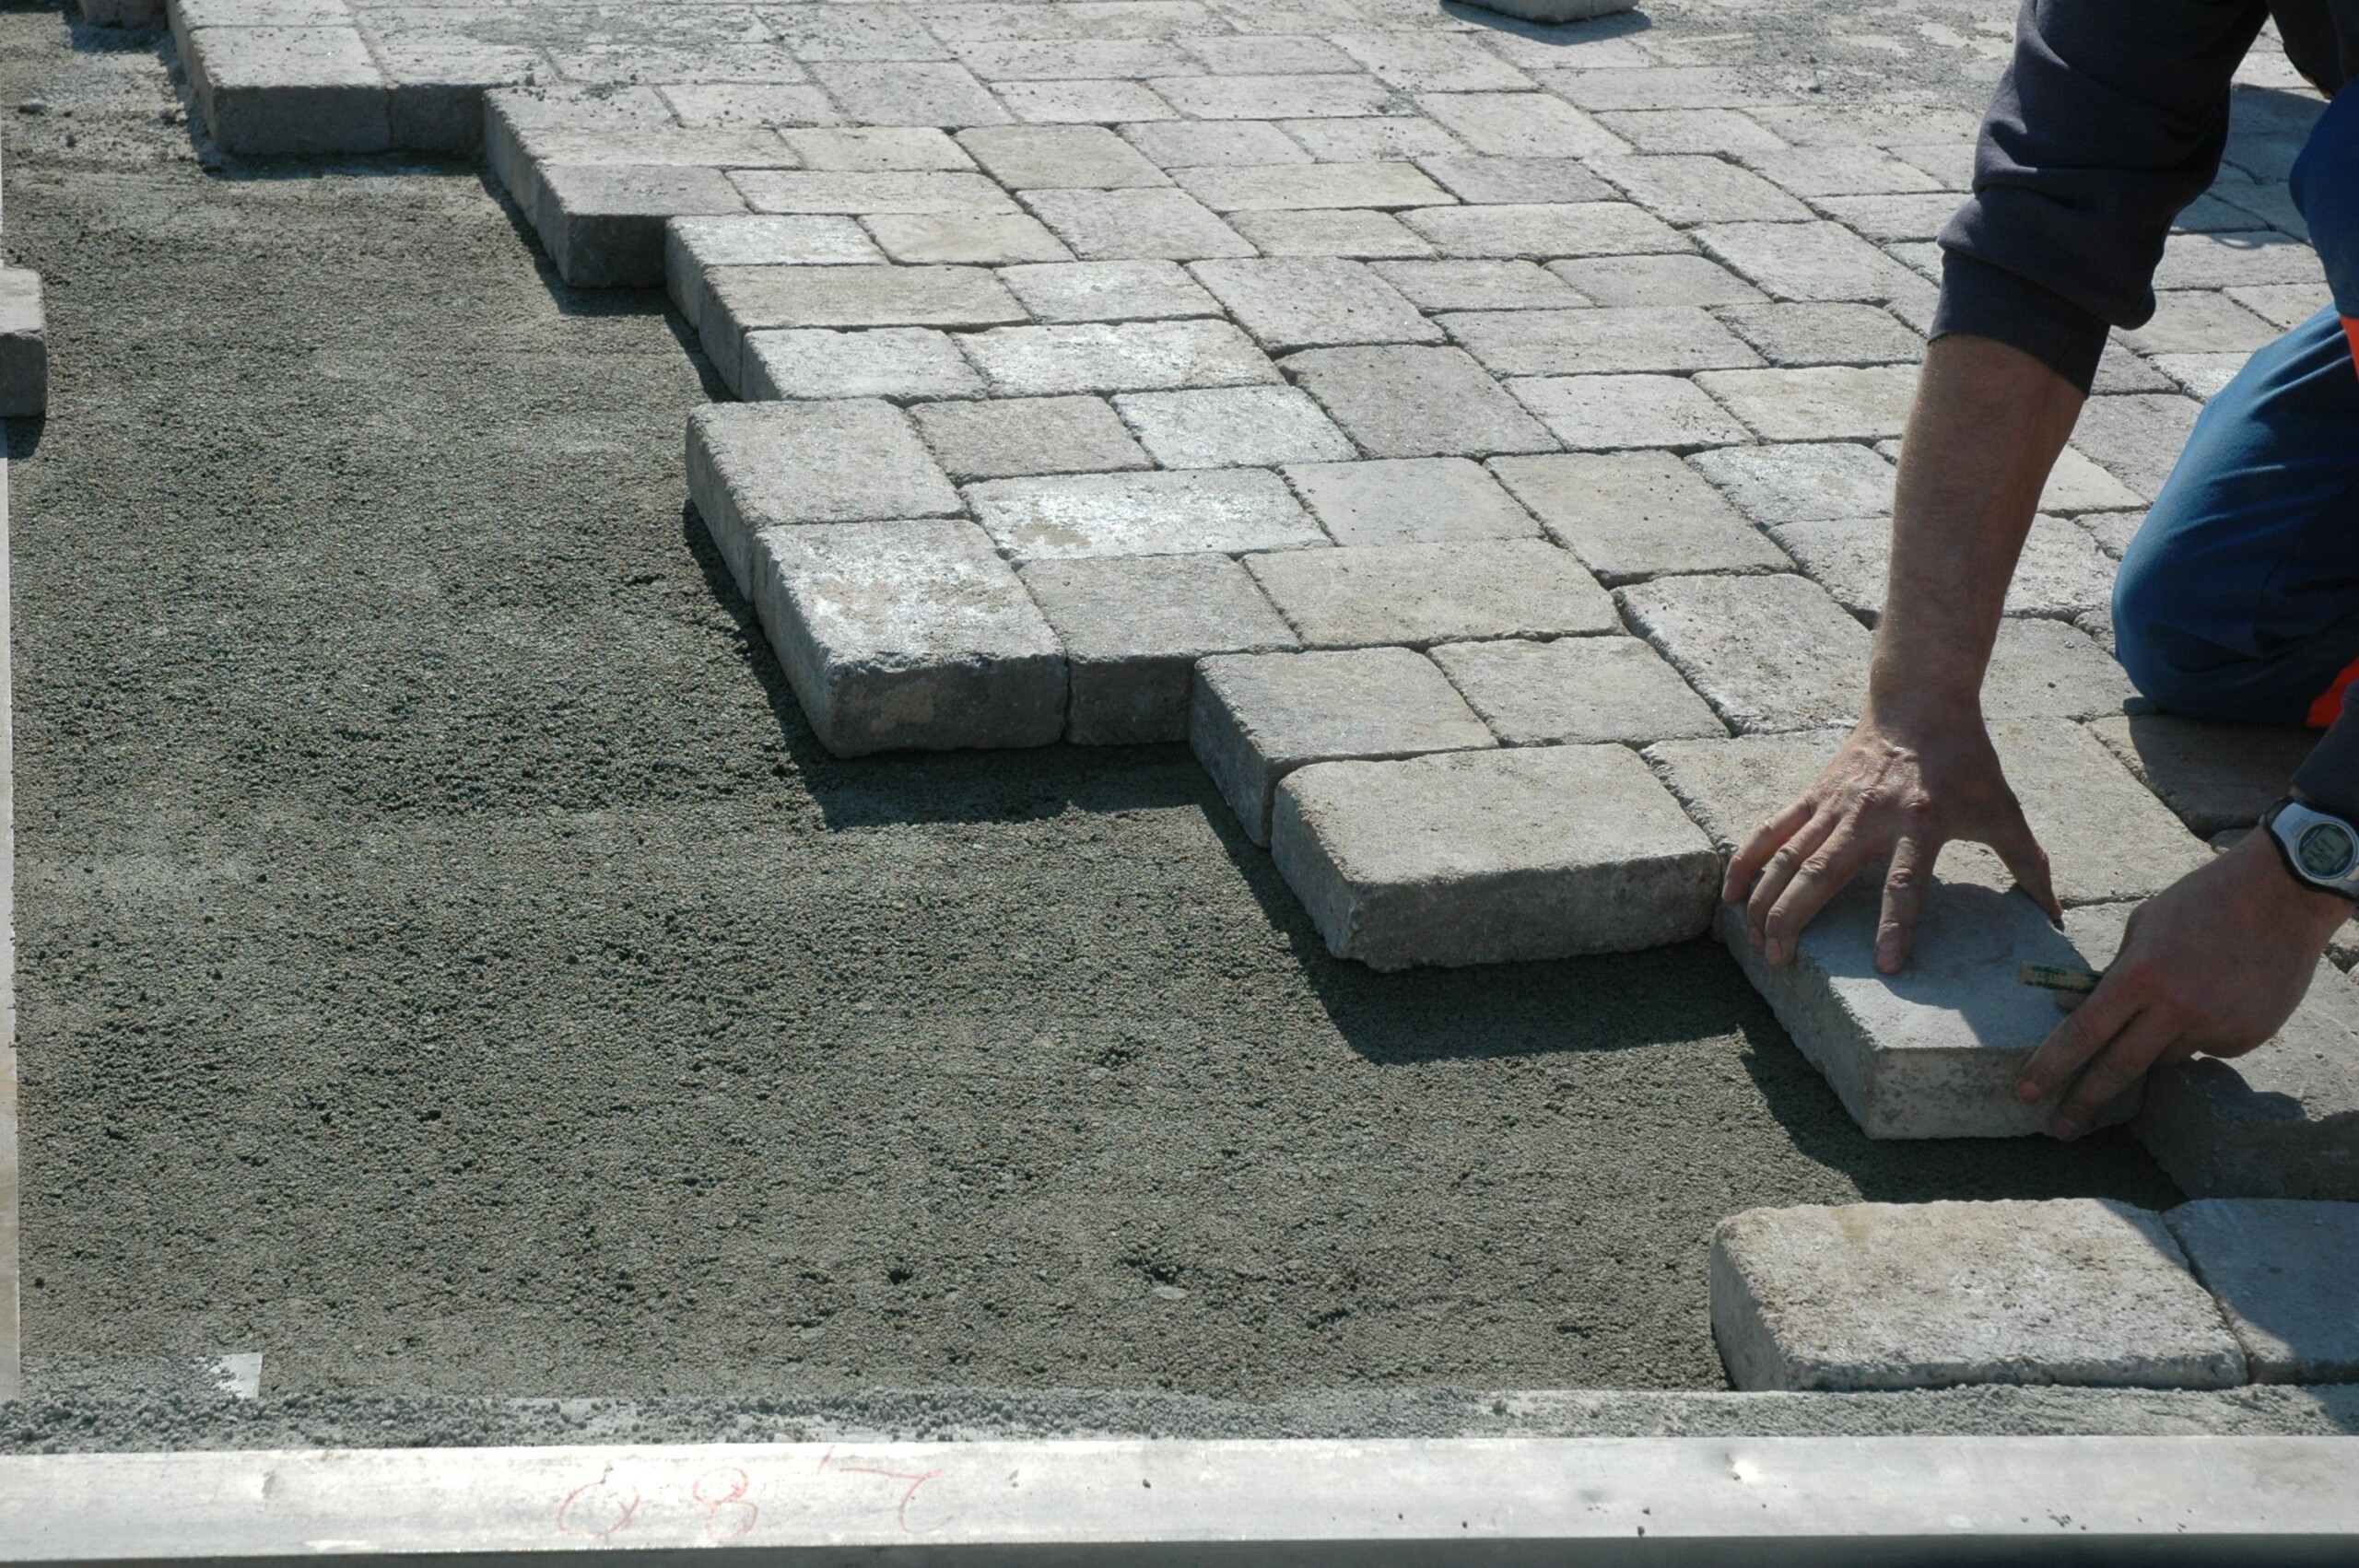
[[1926, 1295], [1492, 857]]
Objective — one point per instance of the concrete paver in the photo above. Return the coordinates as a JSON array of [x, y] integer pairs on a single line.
[[1256, 717], [898, 363], [1153, 356], [1768, 652], [1575, 690], [2286, 1276], [908, 634], [1416, 402], [2216, 776], [1630, 516], [1491, 857], [1409, 500], [1000, 437], [1887, 1295], [1143, 514], [1416, 595], [1233, 427]]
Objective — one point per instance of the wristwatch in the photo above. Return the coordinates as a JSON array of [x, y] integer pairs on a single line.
[[2319, 850]]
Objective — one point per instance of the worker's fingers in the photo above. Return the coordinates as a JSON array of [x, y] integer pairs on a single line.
[[1904, 898], [1763, 842], [2083, 1033], [2026, 859], [1770, 885], [2121, 1064], [1821, 875]]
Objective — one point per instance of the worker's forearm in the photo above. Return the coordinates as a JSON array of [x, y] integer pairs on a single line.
[[1987, 424]]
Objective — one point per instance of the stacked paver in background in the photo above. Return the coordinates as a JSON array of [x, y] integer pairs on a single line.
[[1476, 440]]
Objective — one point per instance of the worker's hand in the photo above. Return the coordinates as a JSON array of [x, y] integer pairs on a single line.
[[2215, 963], [1911, 777]]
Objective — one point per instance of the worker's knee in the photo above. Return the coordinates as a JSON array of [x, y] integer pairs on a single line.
[[2151, 603], [2325, 182]]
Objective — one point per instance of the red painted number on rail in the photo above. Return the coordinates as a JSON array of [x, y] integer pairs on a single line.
[[595, 1510], [728, 1513]]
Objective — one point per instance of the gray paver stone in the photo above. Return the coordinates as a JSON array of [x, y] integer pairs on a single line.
[[2082, 1292], [1710, 131], [1611, 413], [24, 345], [2228, 261], [1696, 189], [2060, 573], [908, 92], [969, 237], [1575, 690], [1594, 340], [742, 299], [755, 466], [1519, 124], [1791, 335], [2052, 670], [1655, 280], [1002, 438], [1477, 285], [1491, 857], [876, 150], [2136, 439], [2106, 838], [1050, 157], [2285, 1273], [2215, 776], [1134, 627], [603, 224], [1545, 230], [1409, 500], [1802, 483], [1808, 261], [1420, 594], [889, 362], [1521, 180], [1826, 403], [1292, 303], [1232, 426], [1191, 143], [868, 192], [1638, 514], [1412, 402], [1227, 510], [1771, 652], [1351, 233], [1284, 187], [288, 89], [693, 245], [1256, 717], [1323, 95], [1107, 291], [1082, 103], [908, 635], [1136, 225], [1118, 357]]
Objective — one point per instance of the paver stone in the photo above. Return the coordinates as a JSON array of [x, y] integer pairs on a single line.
[[2286, 1276]]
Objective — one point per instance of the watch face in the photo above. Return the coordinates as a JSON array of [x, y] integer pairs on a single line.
[[2325, 848]]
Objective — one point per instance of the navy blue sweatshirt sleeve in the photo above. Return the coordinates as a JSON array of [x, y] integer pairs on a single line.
[[2109, 121]]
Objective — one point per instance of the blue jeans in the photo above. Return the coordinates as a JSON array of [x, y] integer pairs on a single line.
[[2238, 599]]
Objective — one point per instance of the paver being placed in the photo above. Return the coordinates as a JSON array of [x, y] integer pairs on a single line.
[[1634, 515], [1409, 501], [900, 636], [1420, 594], [2281, 1120], [1575, 690], [1232, 511], [1256, 717], [1491, 857], [1134, 627], [1118, 357], [754, 466], [2215, 776], [1769, 652], [2286, 1276], [1232, 426], [2081, 1292], [889, 362], [1001, 438], [1416, 402]]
